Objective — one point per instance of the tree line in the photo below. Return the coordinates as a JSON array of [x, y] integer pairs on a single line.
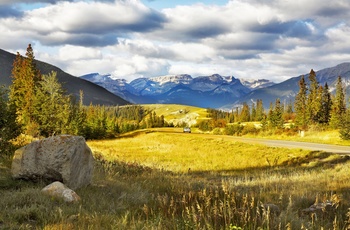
[[314, 106], [37, 105]]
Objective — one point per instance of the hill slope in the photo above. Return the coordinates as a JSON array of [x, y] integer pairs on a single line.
[[92, 93], [287, 90]]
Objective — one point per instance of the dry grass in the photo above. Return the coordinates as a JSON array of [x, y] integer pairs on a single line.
[[144, 182], [181, 152]]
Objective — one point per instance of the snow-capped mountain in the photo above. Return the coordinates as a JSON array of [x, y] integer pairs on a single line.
[[159, 85], [208, 91], [256, 84], [215, 91]]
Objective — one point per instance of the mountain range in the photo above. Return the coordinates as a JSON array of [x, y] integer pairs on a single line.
[[214, 91], [93, 93]]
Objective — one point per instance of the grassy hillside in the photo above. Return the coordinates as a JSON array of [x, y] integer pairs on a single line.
[[183, 181], [178, 114]]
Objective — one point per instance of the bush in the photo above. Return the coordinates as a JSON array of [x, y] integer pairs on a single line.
[[217, 131], [235, 129], [250, 129]]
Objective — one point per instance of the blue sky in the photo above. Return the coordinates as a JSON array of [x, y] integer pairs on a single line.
[[250, 39]]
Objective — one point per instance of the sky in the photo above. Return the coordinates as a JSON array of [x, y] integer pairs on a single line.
[[247, 39]]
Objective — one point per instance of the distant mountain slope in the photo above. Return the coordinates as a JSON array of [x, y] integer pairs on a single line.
[[287, 90], [92, 93], [205, 91]]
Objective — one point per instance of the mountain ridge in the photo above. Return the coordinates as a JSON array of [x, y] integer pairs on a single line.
[[287, 90], [216, 91], [92, 93]]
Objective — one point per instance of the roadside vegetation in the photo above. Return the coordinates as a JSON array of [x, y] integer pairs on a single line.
[[145, 179]]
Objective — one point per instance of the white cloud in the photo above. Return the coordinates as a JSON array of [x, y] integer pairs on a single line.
[[69, 53], [247, 38], [138, 66]]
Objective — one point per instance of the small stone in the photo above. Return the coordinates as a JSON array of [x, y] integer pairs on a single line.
[[60, 191]]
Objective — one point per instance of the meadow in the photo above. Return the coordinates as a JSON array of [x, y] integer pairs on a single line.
[[154, 180], [179, 114]]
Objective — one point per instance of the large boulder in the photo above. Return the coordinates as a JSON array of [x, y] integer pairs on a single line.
[[62, 158]]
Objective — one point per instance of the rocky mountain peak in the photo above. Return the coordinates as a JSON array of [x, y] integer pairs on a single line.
[[178, 79]]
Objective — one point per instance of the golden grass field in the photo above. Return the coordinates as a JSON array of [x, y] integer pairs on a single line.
[[176, 114], [163, 180]]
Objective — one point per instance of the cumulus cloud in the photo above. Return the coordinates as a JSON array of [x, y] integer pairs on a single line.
[[86, 23], [263, 38]]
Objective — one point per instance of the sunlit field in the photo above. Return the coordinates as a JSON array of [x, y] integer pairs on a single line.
[[177, 114], [184, 152], [153, 180]]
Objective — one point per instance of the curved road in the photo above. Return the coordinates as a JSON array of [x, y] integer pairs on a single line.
[[295, 144], [273, 143]]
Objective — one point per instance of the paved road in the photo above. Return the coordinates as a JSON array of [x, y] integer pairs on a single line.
[[295, 144], [274, 143]]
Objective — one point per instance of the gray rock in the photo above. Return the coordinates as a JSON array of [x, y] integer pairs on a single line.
[[272, 208], [324, 210], [62, 158], [60, 191]]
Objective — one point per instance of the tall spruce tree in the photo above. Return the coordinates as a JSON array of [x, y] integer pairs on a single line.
[[78, 117], [25, 78], [259, 110], [300, 104], [326, 105], [339, 106], [52, 107], [313, 99], [244, 116], [276, 115]]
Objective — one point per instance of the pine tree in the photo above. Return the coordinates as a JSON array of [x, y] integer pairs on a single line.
[[300, 104], [9, 128], [244, 116], [278, 114], [259, 110], [52, 107], [25, 78], [270, 115], [339, 107], [326, 105], [275, 115], [313, 99], [78, 117]]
